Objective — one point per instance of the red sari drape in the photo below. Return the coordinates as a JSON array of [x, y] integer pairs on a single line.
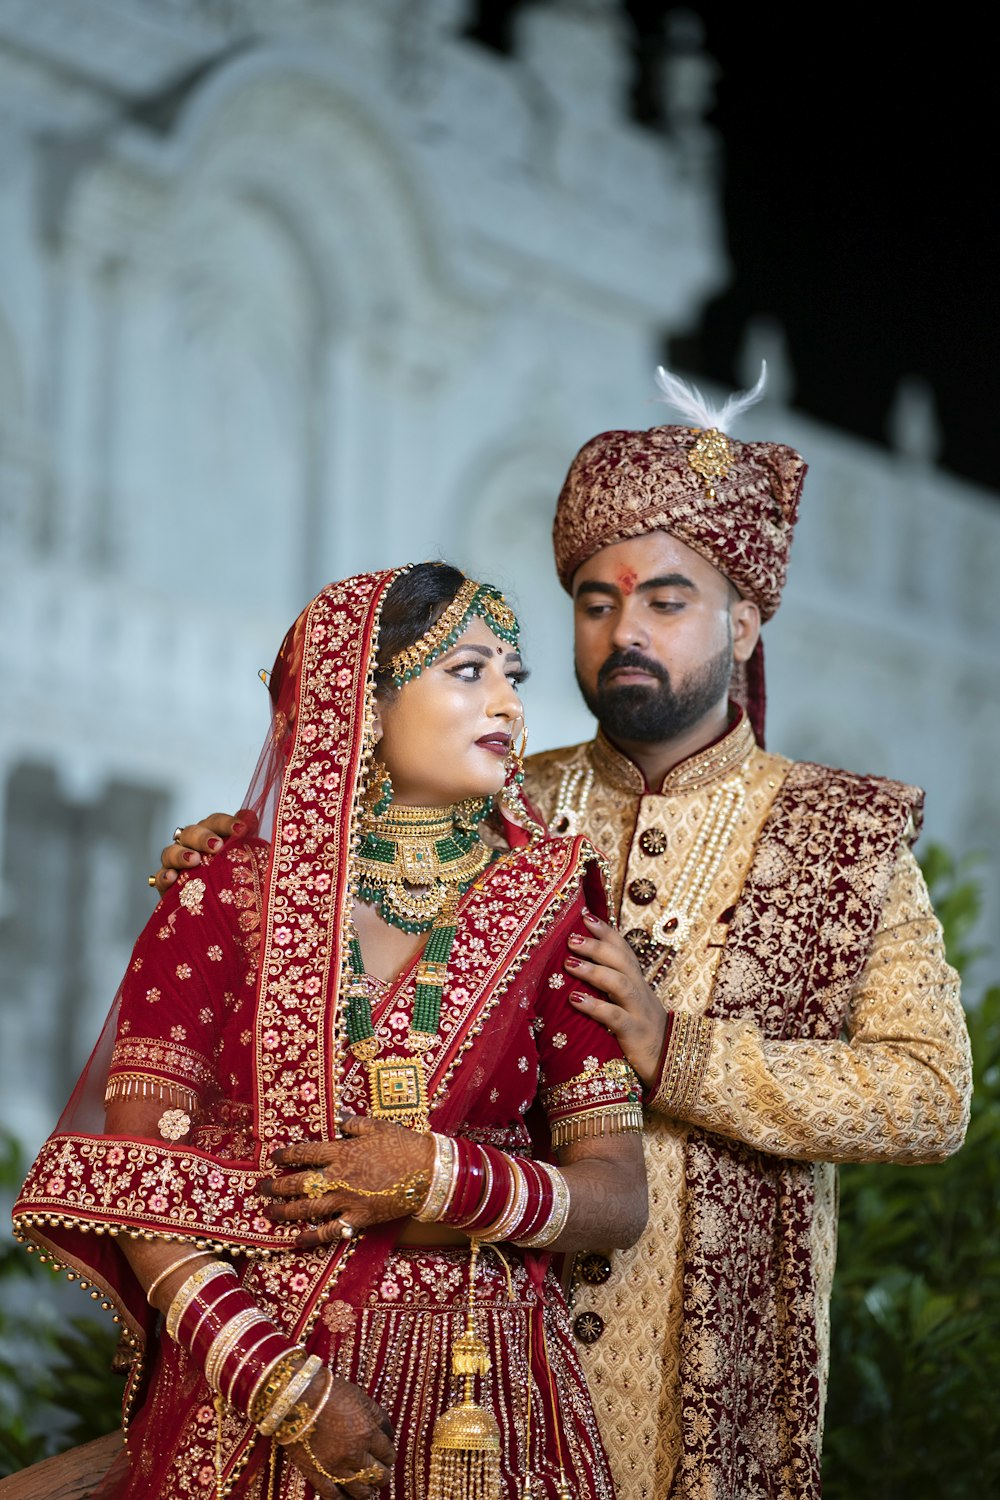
[[230, 1014]]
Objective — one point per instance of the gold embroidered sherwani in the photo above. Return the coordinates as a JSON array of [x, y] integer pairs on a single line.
[[894, 1087]]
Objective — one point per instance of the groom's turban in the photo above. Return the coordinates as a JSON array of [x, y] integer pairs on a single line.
[[734, 503]]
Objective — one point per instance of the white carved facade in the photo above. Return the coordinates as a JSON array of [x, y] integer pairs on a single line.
[[294, 287]]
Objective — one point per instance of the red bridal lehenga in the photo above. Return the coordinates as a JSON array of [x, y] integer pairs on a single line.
[[225, 1042]]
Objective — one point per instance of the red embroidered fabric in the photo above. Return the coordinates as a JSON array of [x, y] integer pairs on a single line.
[[750, 1371], [230, 1007]]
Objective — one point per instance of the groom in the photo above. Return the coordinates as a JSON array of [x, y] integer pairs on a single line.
[[777, 978]]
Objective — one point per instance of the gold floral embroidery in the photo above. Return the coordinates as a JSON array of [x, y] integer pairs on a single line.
[[192, 896], [155, 1057], [602, 1100], [338, 1316], [174, 1124]]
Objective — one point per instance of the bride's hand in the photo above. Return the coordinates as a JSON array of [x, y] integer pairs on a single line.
[[352, 1436], [376, 1172]]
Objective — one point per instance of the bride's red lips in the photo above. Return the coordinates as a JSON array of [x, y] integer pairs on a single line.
[[498, 743]]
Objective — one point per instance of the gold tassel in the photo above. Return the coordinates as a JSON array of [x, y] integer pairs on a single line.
[[465, 1446]]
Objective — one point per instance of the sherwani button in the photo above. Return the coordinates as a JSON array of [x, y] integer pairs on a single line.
[[642, 892], [653, 841], [588, 1327], [594, 1268], [639, 941]]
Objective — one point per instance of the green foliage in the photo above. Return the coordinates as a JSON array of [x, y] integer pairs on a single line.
[[56, 1385], [915, 1363]]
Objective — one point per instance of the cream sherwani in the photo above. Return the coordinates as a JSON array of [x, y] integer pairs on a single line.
[[894, 1087]]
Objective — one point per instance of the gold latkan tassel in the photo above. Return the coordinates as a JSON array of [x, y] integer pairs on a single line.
[[465, 1447]]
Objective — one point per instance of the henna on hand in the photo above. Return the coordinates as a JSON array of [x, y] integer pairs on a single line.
[[376, 1172], [633, 1011], [352, 1434]]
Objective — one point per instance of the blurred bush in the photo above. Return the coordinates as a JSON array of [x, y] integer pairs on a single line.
[[56, 1385], [915, 1358]]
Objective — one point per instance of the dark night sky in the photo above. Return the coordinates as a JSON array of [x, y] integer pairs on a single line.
[[859, 195], [858, 204]]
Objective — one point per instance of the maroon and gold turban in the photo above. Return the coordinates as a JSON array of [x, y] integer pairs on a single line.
[[739, 516], [734, 503]]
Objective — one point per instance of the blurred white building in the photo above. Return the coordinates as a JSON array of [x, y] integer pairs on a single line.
[[289, 288]]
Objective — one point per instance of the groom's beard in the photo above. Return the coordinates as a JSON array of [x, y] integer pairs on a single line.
[[646, 715]]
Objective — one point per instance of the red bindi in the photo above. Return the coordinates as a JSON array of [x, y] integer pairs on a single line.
[[627, 580]]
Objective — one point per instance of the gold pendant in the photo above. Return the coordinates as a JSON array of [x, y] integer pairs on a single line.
[[397, 1088]]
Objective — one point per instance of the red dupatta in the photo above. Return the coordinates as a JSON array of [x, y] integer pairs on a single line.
[[86, 1187]]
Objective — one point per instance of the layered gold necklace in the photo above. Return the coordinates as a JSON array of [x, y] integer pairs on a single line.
[[411, 858]]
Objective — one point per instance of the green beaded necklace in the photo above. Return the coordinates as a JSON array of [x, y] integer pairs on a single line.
[[410, 859], [397, 1085]]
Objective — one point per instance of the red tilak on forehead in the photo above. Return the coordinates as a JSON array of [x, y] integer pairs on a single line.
[[627, 578]]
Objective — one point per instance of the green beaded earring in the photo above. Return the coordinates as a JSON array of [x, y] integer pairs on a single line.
[[379, 794], [471, 811]]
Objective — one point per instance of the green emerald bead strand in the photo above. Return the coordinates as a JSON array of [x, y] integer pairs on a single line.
[[427, 1000]]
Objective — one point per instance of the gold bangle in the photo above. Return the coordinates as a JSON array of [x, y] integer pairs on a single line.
[[187, 1292], [430, 1211], [313, 1416], [271, 1381], [288, 1397], [173, 1266]]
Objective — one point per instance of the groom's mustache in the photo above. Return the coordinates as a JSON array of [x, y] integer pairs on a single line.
[[619, 659]]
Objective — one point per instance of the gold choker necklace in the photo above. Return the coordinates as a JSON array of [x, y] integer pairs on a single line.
[[410, 858]]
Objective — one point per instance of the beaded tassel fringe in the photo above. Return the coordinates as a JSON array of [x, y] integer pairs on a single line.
[[465, 1446]]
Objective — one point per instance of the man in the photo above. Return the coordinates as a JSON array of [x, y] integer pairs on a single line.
[[778, 980]]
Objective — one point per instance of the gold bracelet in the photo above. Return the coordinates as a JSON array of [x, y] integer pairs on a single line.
[[372, 1475], [190, 1289], [272, 1379], [314, 1415], [173, 1266], [559, 1213], [445, 1152], [293, 1390], [406, 1194]]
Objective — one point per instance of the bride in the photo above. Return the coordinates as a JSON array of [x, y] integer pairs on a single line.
[[346, 1109]]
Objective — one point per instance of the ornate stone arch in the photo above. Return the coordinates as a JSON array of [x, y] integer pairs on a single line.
[[276, 265]]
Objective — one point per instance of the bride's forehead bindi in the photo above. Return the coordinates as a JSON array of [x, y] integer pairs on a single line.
[[626, 579]]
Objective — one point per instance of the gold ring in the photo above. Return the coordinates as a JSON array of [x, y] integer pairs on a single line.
[[150, 879], [315, 1185]]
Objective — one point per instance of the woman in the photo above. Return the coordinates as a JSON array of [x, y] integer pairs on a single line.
[[296, 1015]]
